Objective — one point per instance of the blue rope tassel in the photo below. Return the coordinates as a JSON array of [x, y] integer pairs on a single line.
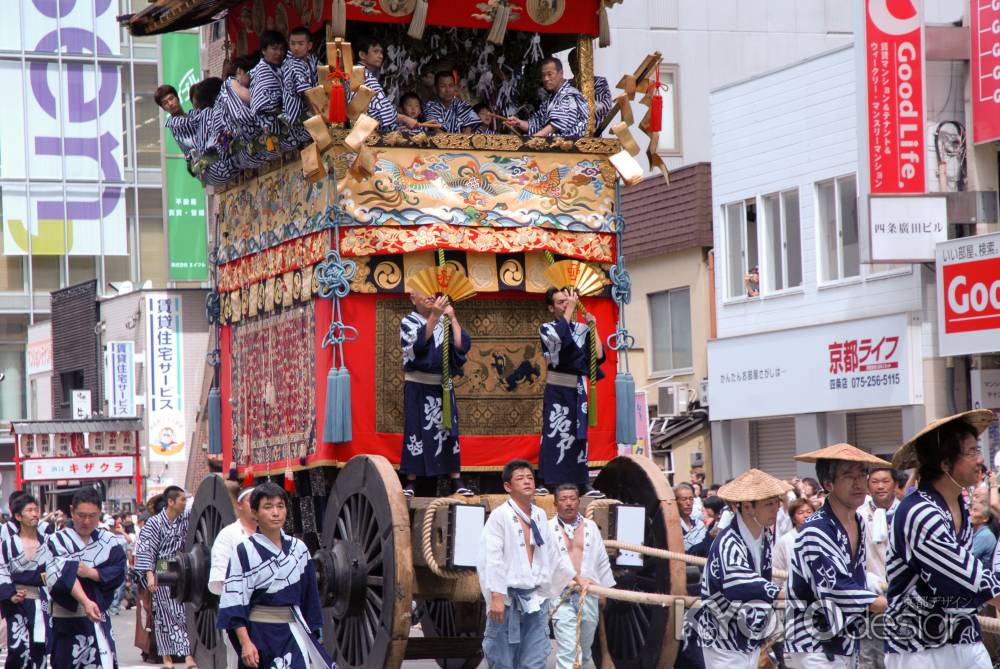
[[621, 341]]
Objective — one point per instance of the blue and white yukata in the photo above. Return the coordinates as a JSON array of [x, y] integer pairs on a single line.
[[28, 621], [562, 455], [272, 592], [237, 130], [737, 596], [298, 75], [827, 596], [521, 641], [160, 539], [380, 108], [602, 97], [185, 130], [594, 566], [455, 117], [76, 641], [266, 95], [427, 449], [936, 586], [566, 111]]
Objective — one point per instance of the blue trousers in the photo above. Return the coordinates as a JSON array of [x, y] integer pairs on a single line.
[[530, 652]]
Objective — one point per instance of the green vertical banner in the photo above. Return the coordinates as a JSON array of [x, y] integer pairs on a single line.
[[187, 238]]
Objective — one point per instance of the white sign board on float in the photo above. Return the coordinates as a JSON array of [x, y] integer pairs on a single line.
[[906, 228], [968, 295], [873, 362]]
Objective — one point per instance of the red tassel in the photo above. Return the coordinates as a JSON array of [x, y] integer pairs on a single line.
[[248, 478], [338, 99], [656, 107], [289, 481]]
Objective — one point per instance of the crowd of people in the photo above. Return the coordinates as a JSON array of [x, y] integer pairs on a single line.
[[257, 109]]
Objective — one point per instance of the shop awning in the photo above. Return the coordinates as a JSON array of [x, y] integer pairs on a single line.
[[76, 426], [666, 432]]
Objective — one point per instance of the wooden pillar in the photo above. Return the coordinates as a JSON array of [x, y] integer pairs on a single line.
[[585, 76]]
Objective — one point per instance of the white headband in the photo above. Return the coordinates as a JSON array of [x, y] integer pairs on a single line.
[[239, 498]]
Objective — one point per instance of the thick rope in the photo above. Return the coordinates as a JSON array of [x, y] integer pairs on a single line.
[[577, 656], [445, 363], [671, 555], [598, 504], [425, 539]]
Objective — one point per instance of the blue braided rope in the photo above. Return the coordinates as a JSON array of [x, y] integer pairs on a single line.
[[334, 275]]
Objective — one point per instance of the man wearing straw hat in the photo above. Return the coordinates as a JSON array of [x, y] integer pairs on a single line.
[[736, 588], [827, 592], [936, 584]]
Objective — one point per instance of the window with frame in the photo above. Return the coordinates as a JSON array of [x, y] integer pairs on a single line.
[[782, 261], [837, 229], [742, 255], [670, 135], [670, 329]]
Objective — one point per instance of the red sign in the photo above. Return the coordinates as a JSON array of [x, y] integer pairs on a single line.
[[984, 17], [972, 296], [863, 355], [894, 56]]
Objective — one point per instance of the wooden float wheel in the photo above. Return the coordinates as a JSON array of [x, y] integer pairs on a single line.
[[367, 521], [639, 636], [443, 618], [212, 510]]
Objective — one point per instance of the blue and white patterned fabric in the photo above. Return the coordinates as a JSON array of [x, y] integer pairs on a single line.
[[455, 117], [427, 449], [266, 95], [263, 574], [185, 129], [562, 456], [78, 642], [827, 592], [566, 110], [602, 97], [160, 539], [936, 585], [381, 107], [695, 537], [297, 76], [737, 593], [27, 621], [237, 131]]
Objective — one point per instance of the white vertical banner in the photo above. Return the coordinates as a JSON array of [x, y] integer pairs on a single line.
[[120, 379], [164, 378]]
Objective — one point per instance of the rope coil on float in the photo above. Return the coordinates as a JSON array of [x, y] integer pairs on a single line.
[[425, 539]]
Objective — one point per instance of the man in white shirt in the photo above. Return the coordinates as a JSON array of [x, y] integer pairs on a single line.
[[520, 567], [225, 546], [877, 513], [581, 540]]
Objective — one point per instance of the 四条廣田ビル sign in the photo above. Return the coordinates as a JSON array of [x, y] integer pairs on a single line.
[[968, 289], [894, 72]]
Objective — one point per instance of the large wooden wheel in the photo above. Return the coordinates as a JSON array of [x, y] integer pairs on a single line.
[[212, 510], [637, 636], [367, 571]]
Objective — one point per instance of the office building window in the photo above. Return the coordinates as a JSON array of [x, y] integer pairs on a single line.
[[742, 252], [670, 329], [782, 262], [837, 227]]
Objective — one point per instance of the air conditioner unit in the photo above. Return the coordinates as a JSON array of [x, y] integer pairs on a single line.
[[672, 400]]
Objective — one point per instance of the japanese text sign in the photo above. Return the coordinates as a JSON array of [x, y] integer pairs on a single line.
[[837, 367], [104, 467], [164, 379], [968, 295], [984, 29], [906, 229], [120, 379], [894, 70]]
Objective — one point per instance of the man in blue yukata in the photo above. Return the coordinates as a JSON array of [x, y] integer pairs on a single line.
[[736, 587], [562, 456], [266, 89], [270, 603], [936, 584], [562, 113], [428, 448], [84, 567], [381, 108], [828, 596], [448, 110], [298, 75], [22, 567]]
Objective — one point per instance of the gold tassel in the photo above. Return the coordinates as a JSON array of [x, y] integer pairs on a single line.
[[604, 30], [359, 103], [498, 31], [338, 18], [419, 20]]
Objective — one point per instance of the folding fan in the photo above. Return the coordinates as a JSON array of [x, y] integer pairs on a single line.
[[442, 281], [575, 274]]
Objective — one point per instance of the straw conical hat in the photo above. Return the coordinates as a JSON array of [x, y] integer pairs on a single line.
[[905, 456], [843, 452], [753, 486]]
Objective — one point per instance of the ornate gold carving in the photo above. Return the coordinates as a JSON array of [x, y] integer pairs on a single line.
[[388, 275], [451, 140], [597, 145], [546, 12], [496, 142], [585, 76], [397, 7], [512, 272], [360, 282]]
